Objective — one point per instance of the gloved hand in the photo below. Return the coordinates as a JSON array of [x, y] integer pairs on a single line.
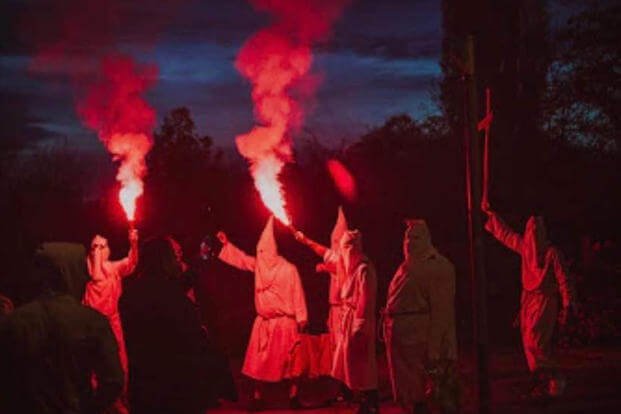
[[486, 207], [299, 236], [222, 237]]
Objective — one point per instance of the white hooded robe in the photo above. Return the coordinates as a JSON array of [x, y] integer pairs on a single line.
[[280, 306]]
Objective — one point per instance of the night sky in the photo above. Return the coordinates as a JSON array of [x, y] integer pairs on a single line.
[[381, 60]]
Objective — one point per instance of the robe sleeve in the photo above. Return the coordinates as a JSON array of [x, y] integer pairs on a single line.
[[442, 338], [330, 258], [127, 265], [330, 268], [562, 279], [232, 255], [94, 266], [364, 308], [503, 233], [299, 301]]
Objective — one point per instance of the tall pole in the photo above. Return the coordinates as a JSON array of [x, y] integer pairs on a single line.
[[475, 230]]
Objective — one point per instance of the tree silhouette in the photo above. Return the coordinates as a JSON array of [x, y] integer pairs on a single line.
[[182, 175], [583, 104]]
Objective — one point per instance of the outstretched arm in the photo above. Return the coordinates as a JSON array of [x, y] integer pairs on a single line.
[[128, 265], [502, 232], [233, 256], [94, 263], [319, 249]]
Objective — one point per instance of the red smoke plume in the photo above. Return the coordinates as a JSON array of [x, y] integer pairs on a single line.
[[115, 108], [275, 59], [79, 38]]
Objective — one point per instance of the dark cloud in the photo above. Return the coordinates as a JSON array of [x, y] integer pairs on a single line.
[[388, 47], [10, 42], [391, 30], [19, 128], [381, 59]]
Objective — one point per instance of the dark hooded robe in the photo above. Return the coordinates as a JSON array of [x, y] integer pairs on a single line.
[[51, 346], [170, 366]]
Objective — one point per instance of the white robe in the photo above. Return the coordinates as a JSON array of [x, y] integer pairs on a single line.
[[354, 357], [542, 283], [419, 324], [335, 313], [280, 305]]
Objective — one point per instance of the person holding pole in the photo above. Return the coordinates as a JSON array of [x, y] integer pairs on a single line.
[[544, 280]]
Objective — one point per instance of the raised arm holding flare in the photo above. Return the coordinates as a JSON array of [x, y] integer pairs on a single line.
[[332, 264], [105, 287], [544, 280], [281, 312]]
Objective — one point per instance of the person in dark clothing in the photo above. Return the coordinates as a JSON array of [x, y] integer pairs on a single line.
[[204, 270], [169, 360], [204, 275], [51, 346]]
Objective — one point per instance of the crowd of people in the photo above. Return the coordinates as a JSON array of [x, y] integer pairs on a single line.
[[90, 341]]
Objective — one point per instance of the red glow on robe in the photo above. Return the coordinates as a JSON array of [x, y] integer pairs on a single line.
[[276, 60], [115, 108], [343, 179]]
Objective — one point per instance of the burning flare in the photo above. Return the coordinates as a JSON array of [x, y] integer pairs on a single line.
[[131, 150], [277, 60], [265, 174], [115, 108]]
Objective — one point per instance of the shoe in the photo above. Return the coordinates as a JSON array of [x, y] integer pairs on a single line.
[[256, 404], [294, 403]]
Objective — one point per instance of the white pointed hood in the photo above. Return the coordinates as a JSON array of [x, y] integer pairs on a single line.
[[351, 250], [535, 242], [268, 260], [340, 227], [266, 246]]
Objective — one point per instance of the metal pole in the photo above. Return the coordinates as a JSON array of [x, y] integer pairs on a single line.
[[475, 230]]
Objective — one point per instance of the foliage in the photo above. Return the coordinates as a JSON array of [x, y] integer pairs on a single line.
[[183, 174], [583, 101]]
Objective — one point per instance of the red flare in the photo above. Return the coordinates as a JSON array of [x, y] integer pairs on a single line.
[[131, 149], [115, 108], [265, 173], [276, 60], [343, 179]]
